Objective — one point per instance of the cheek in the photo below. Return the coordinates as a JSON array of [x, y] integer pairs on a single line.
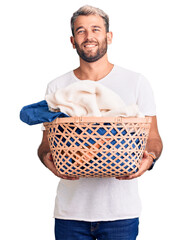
[[79, 40]]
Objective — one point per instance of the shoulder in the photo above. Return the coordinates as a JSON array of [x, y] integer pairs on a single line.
[[60, 82], [129, 78], [132, 76], [126, 72]]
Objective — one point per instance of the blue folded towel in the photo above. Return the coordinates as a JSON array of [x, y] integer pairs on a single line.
[[39, 113]]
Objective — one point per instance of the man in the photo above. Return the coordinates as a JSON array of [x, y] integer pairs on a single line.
[[101, 208]]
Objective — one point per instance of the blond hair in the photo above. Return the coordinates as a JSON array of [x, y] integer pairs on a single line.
[[89, 10]]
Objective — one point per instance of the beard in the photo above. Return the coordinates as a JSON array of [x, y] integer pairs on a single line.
[[92, 56]]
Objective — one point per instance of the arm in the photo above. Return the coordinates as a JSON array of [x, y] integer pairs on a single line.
[[154, 145], [45, 156]]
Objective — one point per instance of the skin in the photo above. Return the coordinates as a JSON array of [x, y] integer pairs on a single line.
[[90, 41]]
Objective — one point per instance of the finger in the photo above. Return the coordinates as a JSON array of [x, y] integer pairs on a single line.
[[50, 157], [141, 170], [129, 177], [137, 174], [123, 178], [145, 154], [69, 177], [50, 165], [132, 176]]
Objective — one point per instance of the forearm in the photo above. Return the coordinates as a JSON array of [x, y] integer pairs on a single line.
[[43, 148], [42, 151], [154, 142], [155, 146]]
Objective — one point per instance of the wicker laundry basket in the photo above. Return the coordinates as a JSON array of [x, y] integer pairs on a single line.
[[98, 146]]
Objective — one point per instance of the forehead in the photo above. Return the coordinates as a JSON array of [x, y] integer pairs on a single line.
[[89, 21]]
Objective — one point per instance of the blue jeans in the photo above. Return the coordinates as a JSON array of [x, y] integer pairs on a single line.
[[104, 230]]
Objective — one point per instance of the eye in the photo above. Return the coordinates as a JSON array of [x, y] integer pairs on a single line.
[[96, 29], [80, 32]]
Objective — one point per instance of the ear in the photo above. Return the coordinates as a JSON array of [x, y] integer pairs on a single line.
[[109, 37], [72, 41]]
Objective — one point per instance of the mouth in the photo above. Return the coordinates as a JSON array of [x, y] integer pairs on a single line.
[[90, 46]]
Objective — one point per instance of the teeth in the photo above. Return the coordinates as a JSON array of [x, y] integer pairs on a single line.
[[89, 46]]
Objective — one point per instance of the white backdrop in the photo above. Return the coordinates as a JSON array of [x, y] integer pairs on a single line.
[[35, 48]]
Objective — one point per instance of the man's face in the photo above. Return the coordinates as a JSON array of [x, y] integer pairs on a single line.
[[90, 38]]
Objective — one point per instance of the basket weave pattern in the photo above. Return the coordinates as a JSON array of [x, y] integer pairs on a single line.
[[97, 146]]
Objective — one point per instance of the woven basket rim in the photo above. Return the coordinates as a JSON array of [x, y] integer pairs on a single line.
[[100, 120]]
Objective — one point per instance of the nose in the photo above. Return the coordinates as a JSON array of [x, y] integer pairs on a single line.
[[89, 34]]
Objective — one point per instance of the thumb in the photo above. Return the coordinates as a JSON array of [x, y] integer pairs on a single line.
[[49, 155], [145, 154]]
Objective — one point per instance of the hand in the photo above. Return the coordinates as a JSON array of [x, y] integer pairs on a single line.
[[144, 166], [48, 162]]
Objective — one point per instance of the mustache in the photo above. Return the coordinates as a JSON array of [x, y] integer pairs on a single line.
[[90, 42]]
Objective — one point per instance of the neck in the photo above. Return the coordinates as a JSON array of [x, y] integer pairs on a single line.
[[93, 71]]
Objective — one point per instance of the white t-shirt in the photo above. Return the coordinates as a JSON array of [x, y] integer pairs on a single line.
[[104, 199]]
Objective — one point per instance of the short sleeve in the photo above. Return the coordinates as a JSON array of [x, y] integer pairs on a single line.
[[145, 97], [48, 91]]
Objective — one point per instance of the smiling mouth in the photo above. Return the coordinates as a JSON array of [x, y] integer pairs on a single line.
[[90, 45]]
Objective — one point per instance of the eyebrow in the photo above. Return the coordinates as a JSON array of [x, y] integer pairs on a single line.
[[96, 26], [79, 28]]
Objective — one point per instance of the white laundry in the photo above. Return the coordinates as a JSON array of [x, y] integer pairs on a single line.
[[90, 98]]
